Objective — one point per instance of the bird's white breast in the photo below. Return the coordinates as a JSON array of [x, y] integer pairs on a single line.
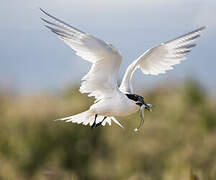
[[117, 105]]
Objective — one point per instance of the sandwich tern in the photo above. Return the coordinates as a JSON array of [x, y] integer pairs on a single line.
[[101, 81]]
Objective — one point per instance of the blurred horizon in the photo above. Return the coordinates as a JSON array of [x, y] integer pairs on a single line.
[[34, 60]]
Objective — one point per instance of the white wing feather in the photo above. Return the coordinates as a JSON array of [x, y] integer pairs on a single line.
[[101, 80], [161, 58]]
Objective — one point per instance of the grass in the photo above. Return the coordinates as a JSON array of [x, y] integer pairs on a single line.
[[177, 140]]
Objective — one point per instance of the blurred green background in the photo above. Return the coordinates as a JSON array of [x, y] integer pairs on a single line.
[[177, 141]]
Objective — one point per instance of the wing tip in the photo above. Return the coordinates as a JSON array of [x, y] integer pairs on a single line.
[[199, 29], [202, 27], [43, 11]]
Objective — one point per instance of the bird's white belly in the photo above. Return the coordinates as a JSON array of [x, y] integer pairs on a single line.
[[124, 109], [115, 106]]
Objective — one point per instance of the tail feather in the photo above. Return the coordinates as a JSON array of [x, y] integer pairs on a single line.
[[88, 117], [117, 122]]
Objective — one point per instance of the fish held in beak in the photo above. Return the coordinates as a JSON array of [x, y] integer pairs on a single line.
[[142, 108], [141, 116]]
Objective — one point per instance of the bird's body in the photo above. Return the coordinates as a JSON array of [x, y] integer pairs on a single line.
[[116, 105], [101, 81]]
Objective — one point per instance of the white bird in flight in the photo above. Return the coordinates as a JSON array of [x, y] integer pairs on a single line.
[[101, 81]]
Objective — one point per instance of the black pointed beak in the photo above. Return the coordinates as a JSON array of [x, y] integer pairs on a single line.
[[149, 107]]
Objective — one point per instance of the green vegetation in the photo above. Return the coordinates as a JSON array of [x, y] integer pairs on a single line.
[[177, 141]]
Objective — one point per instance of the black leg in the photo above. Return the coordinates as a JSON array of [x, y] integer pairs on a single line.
[[97, 125], [94, 124]]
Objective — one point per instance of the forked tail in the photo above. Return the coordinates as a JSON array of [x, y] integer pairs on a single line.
[[88, 117]]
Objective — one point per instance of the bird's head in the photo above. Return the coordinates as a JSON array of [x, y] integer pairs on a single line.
[[139, 100]]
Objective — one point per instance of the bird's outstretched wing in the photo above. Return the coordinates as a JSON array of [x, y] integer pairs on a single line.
[[101, 80], [161, 58]]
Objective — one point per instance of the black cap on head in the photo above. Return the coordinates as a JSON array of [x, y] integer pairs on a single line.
[[138, 99]]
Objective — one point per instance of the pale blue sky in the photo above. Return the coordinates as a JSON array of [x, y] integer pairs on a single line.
[[32, 59]]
